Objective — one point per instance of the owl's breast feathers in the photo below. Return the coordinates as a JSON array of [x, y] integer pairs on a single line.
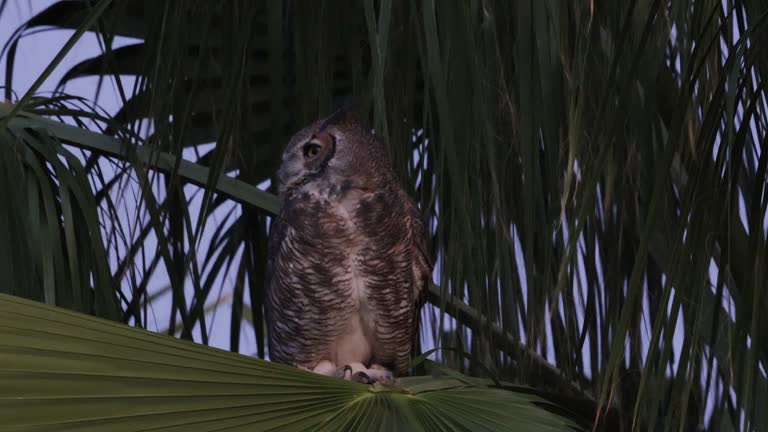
[[332, 261]]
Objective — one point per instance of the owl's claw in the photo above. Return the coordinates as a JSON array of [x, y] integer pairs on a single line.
[[358, 373], [362, 378], [381, 374], [387, 378], [344, 372]]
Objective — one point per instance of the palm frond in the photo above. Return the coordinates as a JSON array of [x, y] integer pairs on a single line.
[[67, 371]]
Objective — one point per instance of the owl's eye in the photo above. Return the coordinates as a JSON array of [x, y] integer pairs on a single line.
[[311, 150]]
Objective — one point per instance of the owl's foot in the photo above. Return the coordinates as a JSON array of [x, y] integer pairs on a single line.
[[323, 367], [381, 374], [362, 378], [359, 373], [344, 372]]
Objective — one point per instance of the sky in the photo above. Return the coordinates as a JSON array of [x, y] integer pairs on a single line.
[[37, 50], [34, 53]]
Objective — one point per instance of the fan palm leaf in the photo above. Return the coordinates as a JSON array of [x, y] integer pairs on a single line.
[[66, 371]]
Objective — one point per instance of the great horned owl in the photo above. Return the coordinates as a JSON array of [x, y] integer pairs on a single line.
[[348, 268]]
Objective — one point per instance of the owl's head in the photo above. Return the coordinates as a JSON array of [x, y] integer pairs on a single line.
[[335, 151]]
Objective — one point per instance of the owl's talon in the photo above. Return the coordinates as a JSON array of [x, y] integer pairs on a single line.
[[362, 378], [381, 374], [387, 378], [341, 372]]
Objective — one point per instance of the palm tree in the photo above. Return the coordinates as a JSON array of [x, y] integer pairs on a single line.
[[592, 172]]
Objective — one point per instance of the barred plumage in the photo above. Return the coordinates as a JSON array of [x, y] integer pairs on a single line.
[[348, 266]]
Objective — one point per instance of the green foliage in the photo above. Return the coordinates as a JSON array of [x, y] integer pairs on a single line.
[[593, 173], [66, 371]]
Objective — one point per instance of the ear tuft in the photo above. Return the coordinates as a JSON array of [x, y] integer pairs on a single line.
[[344, 115]]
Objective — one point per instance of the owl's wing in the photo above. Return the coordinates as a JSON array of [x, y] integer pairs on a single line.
[[422, 265], [276, 233]]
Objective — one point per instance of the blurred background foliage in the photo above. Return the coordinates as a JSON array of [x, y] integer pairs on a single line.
[[593, 174]]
